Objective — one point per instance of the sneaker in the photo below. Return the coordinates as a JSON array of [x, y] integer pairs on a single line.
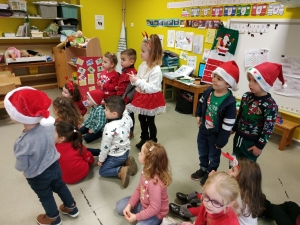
[[198, 174], [132, 166], [203, 179], [43, 219], [140, 144], [71, 211], [124, 176]]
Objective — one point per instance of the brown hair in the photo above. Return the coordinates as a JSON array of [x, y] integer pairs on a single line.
[[76, 95], [156, 52], [115, 104], [70, 133], [157, 163], [66, 110], [112, 58], [131, 53], [249, 179]]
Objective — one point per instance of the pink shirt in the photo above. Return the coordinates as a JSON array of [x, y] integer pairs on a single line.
[[16, 52], [153, 197]]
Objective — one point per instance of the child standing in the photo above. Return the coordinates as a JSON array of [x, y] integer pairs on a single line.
[[71, 90], [96, 120], [125, 88], [258, 110], [65, 110], [74, 159], [215, 114], [38, 159], [108, 80], [148, 100], [149, 202], [115, 144]]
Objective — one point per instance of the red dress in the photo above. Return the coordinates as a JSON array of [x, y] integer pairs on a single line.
[[81, 107], [110, 80]]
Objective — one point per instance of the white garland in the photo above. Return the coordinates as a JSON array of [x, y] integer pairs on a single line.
[[146, 112]]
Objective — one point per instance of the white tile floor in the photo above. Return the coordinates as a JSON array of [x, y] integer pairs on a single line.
[[96, 196]]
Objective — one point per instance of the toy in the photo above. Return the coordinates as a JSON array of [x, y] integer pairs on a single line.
[[14, 53], [74, 40]]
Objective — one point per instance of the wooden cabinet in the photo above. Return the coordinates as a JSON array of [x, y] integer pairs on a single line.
[[63, 64]]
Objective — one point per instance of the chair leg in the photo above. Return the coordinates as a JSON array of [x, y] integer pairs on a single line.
[[290, 137], [283, 140]]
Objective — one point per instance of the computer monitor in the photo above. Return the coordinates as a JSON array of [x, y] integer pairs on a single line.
[[201, 69]]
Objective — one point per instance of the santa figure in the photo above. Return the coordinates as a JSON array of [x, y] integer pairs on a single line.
[[224, 44]]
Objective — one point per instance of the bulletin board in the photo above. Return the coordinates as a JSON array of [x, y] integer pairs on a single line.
[[281, 39], [88, 71]]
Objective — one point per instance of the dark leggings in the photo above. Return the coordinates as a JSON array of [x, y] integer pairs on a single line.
[[148, 126], [133, 121]]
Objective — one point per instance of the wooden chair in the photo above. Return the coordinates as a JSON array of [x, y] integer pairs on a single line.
[[4, 89]]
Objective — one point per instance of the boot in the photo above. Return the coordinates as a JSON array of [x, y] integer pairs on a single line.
[[124, 176], [130, 162], [180, 211], [190, 198], [140, 144]]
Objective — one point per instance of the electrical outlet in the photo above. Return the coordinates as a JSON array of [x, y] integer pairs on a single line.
[[132, 24]]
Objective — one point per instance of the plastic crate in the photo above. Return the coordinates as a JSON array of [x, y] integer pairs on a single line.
[[170, 61], [67, 11], [47, 10], [33, 70]]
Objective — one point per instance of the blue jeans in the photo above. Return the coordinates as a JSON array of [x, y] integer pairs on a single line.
[[112, 165], [48, 182], [121, 204], [209, 155], [89, 137]]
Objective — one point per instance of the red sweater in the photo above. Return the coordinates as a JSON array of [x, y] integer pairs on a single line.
[[124, 79], [81, 107], [110, 80], [228, 218], [74, 166]]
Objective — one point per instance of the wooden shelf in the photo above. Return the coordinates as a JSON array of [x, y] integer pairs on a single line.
[[23, 38], [31, 17], [71, 64], [39, 76]]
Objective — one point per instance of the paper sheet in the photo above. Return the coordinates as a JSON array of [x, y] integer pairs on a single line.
[[187, 42], [198, 44], [180, 37], [171, 38], [254, 57], [183, 55], [192, 61], [210, 36]]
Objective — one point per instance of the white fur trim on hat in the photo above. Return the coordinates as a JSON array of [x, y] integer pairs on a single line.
[[88, 93], [227, 77], [259, 78]]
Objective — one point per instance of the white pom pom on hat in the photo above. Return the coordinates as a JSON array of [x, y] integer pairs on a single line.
[[29, 106]]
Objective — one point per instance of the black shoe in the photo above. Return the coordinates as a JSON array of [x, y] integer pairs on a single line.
[[191, 198], [203, 179], [175, 209], [182, 197], [140, 144], [198, 174]]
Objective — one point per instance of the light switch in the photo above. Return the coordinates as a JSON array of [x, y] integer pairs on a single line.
[[131, 24]]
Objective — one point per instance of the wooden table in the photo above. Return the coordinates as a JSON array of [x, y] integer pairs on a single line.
[[9, 80], [195, 89], [288, 128]]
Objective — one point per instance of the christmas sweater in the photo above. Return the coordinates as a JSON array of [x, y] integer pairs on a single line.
[[124, 79], [225, 116], [110, 80], [96, 120], [115, 139], [256, 118]]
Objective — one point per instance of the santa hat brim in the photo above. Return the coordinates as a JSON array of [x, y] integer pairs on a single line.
[[259, 79], [228, 78], [88, 93]]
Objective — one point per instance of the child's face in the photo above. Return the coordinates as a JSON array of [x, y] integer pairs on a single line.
[[145, 51], [211, 199], [109, 114], [254, 86], [58, 139], [65, 93], [107, 64], [89, 102], [234, 172], [142, 155], [219, 84], [126, 61]]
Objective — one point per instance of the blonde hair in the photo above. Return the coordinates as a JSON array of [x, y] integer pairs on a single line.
[[156, 52], [112, 58], [156, 163], [225, 186]]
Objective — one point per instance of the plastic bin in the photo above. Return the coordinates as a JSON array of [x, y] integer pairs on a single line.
[[46, 10], [33, 70], [67, 11]]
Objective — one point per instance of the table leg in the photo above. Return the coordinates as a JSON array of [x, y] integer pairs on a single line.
[[283, 140], [195, 103], [290, 137]]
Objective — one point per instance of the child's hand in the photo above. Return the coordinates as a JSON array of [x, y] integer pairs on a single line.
[[211, 173], [255, 150], [126, 211], [217, 147], [116, 88], [99, 83], [131, 218], [198, 121], [99, 163], [91, 131], [132, 77]]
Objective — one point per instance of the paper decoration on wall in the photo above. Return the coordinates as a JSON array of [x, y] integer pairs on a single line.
[[205, 54], [183, 55], [210, 36], [205, 11], [217, 11], [171, 38], [250, 28], [192, 61], [198, 44], [254, 57], [182, 23], [187, 42], [195, 12], [230, 10], [259, 9], [185, 12], [99, 22], [243, 10], [179, 38], [275, 9], [222, 51], [163, 22]]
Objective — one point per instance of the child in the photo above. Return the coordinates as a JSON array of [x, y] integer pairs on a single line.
[[149, 202], [96, 120], [36, 154], [221, 198], [108, 80], [125, 88], [71, 90], [74, 159], [148, 100], [257, 114], [248, 175], [115, 144], [215, 114], [65, 110]]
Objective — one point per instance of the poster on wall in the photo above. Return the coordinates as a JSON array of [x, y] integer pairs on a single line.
[[99, 22], [171, 38]]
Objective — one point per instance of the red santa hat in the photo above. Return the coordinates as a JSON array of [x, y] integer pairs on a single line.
[[230, 72], [266, 73], [96, 96], [29, 106]]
